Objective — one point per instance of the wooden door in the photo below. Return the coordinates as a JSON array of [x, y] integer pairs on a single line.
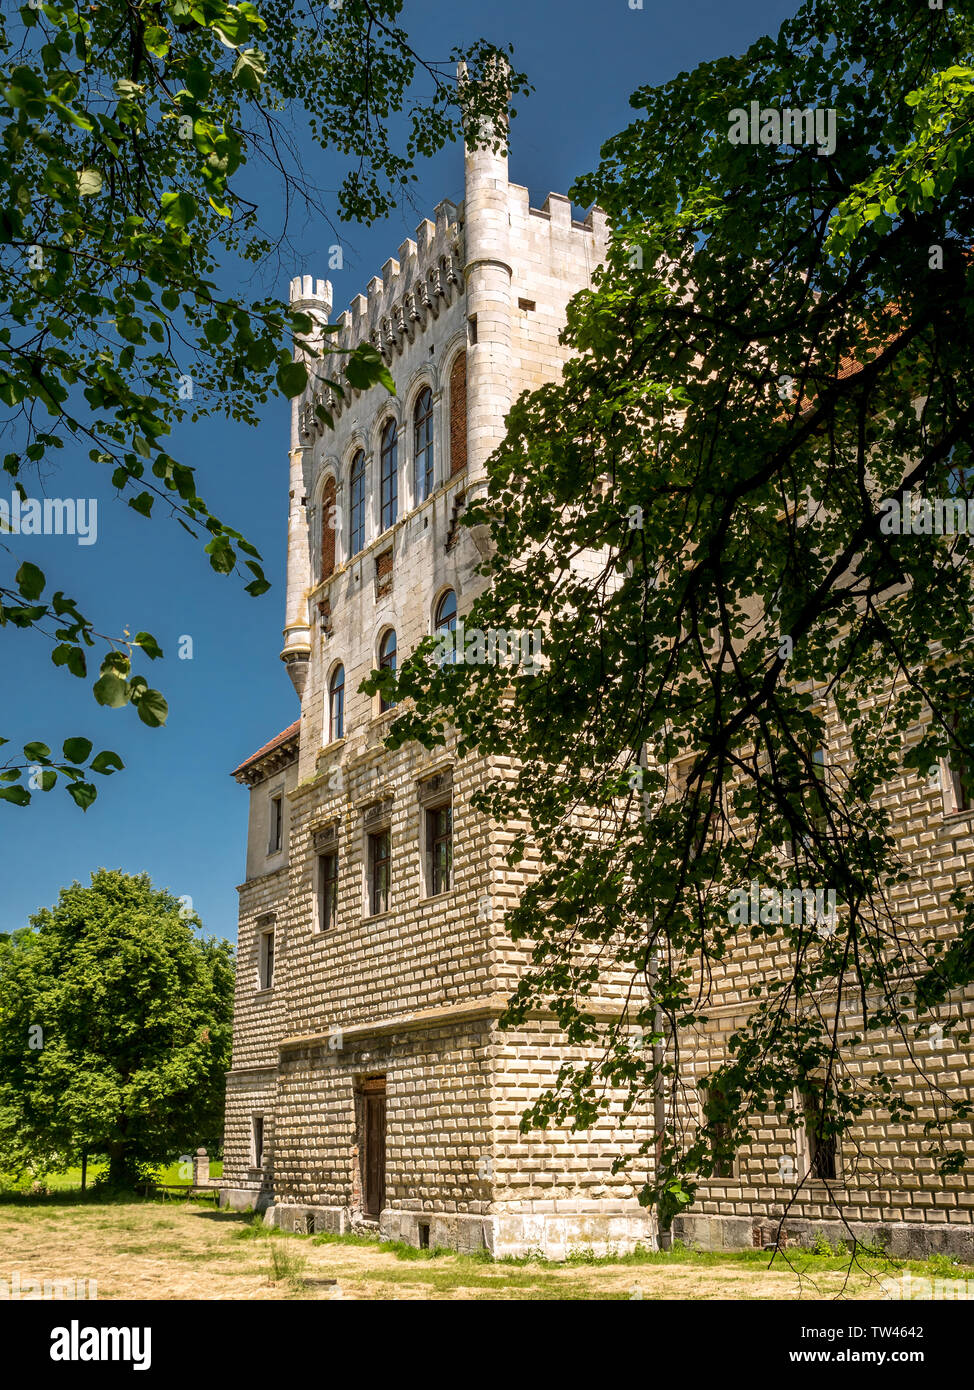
[[374, 1157]]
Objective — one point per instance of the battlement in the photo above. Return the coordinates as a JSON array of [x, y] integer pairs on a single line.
[[398, 305]]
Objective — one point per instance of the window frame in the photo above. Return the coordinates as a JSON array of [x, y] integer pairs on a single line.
[[336, 688], [423, 483], [433, 837], [326, 890], [386, 661], [813, 1145], [267, 959], [356, 504], [389, 475], [378, 896], [275, 826]]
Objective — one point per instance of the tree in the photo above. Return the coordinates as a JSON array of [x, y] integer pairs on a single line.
[[131, 131], [777, 351], [115, 1030]]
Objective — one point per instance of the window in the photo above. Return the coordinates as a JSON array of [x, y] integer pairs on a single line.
[[275, 839], [821, 1146], [389, 476], [336, 705], [266, 967], [328, 514], [446, 613], [327, 891], [458, 414], [439, 849], [387, 662], [444, 622], [257, 1142], [723, 1158], [423, 445], [380, 869], [960, 777], [356, 534]]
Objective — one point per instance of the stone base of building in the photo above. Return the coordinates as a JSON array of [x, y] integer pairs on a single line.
[[244, 1198], [556, 1236], [552, 1236], [901, 1239]]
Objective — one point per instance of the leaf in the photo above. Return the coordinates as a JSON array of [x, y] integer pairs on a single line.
[[153, 709], [142, 503], [111, 690], [30, 580], [366, 368], [83, 793], [149, 645], [178, 209], [292, 378], [248, 71], [76, 750], [89, 183], [18, 795], [70, 656], [36, 752], [106, 763]]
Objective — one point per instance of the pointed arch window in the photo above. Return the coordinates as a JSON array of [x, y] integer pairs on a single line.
[[389, 476], [356, 534], [387, 662], [336, 705], [423, 445]]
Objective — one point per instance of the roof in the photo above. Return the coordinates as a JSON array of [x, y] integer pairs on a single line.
[[289, 733]]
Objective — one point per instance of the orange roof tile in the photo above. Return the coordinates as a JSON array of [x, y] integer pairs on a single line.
[[289, 733]]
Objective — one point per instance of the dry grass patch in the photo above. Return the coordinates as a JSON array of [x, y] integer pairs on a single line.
[[179, 1250]]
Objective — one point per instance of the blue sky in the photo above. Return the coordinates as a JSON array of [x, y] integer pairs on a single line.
[[175, 812]]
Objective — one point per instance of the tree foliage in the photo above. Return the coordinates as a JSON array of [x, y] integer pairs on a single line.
[[132, 135], [780, 342], [115, 1031]]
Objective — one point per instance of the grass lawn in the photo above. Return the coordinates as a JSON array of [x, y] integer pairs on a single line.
[[172, 1249], [71, 1180]]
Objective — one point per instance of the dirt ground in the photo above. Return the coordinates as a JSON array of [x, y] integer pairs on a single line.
[[179, 1250]]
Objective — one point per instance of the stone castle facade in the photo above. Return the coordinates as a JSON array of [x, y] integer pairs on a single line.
[[370, 1082]]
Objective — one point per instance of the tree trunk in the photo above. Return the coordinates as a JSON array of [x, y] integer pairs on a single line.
[[84, 1169]]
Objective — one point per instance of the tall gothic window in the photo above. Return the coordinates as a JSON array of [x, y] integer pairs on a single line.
[[389, 476], [336, 705], [423, 445], [356, 537], [328, 512], [387, 662]]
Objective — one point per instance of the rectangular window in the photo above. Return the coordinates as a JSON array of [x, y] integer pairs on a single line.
[[439, 849], [821, 1147], [267, 960], [723, 1159], [275, 840], [380, 870], [960, 777], [257, 1142], [961, 784], [327, 891]]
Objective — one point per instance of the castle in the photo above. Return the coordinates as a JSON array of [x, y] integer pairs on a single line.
[[370, 1081]]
